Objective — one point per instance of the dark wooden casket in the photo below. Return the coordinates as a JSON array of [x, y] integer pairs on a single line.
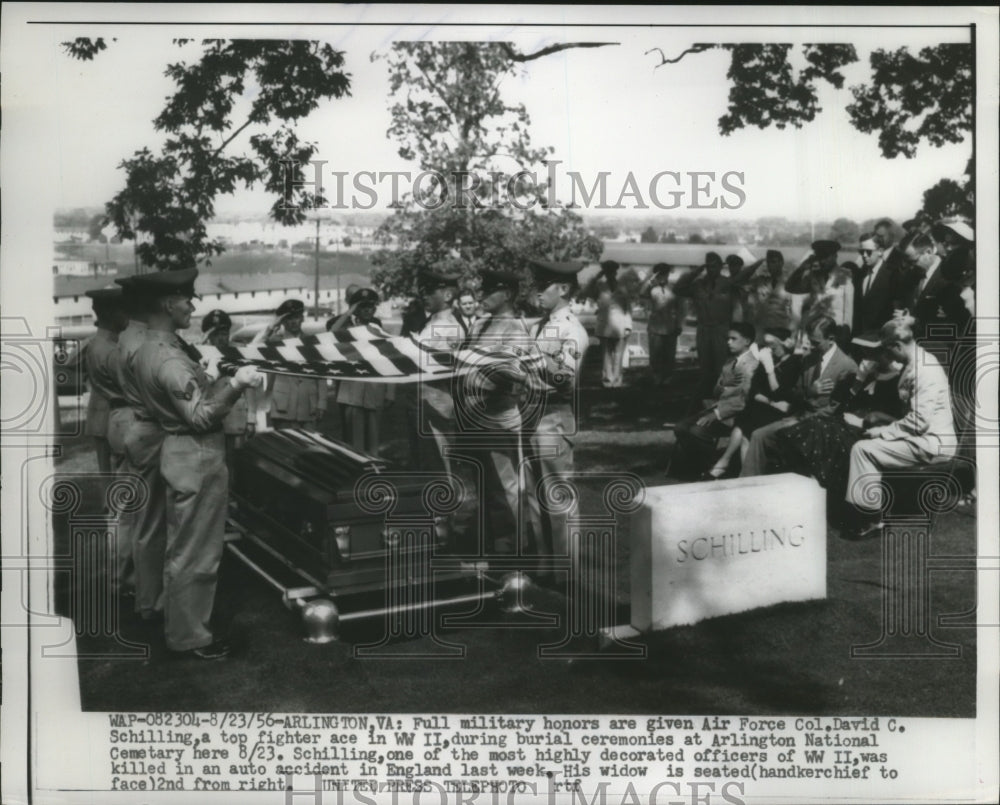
[[299, 494]]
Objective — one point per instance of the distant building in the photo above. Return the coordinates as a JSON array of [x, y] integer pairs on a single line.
[[81, 268]]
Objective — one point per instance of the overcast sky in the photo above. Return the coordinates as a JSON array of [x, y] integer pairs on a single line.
[[605, 109]]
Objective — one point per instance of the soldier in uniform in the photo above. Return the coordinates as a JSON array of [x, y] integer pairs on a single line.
[[435, 404], [562, 340], [714, 298], [106, 399], [241, 421], [136, 436], [361, 403], [664, 322], [189, 408], [109, 310], [441, 332], [296, 402], [487, 407]]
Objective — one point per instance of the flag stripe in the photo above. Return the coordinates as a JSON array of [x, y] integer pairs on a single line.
[[361, 353]]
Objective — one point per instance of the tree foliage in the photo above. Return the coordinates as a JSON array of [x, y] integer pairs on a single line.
[[765, 91], [84, 48], [449, 116], [844, 231], [950, 198], [927, 97], [258, 87], [908, 101]]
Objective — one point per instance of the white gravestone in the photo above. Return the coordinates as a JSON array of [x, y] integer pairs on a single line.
[[715, 548]]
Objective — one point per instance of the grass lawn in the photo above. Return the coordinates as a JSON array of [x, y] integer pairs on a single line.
[[790, 658]]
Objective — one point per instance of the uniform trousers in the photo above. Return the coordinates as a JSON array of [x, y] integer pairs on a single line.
[[105, 462], [438, 455], [869, 458], [614, 354], [498, 455], [361, 427], [146, 527], [662, 355], [197, 489], [234, 441], [549, 472], [282, 424], [119, 420]]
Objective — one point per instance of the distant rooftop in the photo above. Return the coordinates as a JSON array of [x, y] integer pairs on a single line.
[[214, 283]]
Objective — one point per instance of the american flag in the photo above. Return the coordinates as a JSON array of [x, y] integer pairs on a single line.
[[366, 353]]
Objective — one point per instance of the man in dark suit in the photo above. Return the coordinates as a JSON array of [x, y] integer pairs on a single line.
[[825, 366], [876, 284], [934, 299]]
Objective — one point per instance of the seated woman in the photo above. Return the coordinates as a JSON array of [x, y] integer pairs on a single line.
[[820, 444], [924, 435], [769, 396]]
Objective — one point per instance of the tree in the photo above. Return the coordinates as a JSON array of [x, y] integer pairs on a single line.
[[695, 237], [668, 237], [488, 208], [844, 231], [648, 235], [910, 99], [169, 195], [949, 198]]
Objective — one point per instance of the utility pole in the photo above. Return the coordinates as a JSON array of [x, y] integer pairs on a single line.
[[316, 286]]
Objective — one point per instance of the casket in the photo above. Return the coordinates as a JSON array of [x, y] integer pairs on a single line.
[[341, 518]]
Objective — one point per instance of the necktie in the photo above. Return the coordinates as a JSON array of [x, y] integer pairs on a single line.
[[869, 279], [189, 350], [542, 323]]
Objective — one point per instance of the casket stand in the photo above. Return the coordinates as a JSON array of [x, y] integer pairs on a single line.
[[329, 527]]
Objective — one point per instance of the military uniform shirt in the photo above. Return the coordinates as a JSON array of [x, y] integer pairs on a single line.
[[441, 333], [713, 301], [495, 391], [104, 389], [129, 341], [175, 389], [563, 340], [294, 398], [362, 394]]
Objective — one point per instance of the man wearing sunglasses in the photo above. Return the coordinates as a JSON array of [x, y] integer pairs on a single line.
[[876, 286]]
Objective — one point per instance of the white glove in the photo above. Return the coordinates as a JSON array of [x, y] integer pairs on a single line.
[[247, 377], [211, 367]]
